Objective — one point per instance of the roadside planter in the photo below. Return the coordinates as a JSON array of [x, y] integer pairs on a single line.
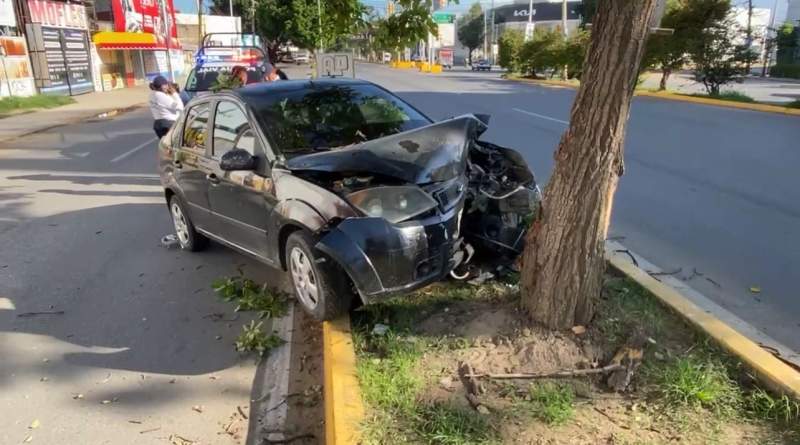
[[461, 364]]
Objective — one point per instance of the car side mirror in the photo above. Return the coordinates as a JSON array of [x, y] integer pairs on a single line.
[[237, 159]]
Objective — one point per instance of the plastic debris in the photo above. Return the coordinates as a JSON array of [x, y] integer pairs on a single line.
[[169, 241], [380, 329], [480, 279]]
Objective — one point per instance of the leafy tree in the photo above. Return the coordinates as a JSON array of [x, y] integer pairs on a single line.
[[412, 23], [717, 59], [573, 52], [787, 39], [541, 52], [470, 30], [509, 46], [689, 19], [297, 21]]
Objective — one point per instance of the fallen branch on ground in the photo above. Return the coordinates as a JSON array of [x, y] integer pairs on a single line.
[[557, 374]]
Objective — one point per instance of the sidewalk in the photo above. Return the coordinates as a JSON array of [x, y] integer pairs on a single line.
[[762, 89], [86, 106]]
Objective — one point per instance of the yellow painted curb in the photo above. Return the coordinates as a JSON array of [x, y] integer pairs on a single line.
[[344, 409], [676, 97], [722, 103], [772, 372]]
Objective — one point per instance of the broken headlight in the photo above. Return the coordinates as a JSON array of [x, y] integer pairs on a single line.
[[393, 203]]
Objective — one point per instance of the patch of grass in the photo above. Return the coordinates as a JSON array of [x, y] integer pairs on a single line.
[[254, 339], [699, 379], [763, 405], [627, 304], [551, 402], [732, 96], [793, 104], [403, 312], [249, 296], [449, 424], [387, 371], [9, 104]]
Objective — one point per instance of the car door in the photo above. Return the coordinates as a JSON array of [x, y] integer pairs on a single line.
[[240, 200], [191, 164]]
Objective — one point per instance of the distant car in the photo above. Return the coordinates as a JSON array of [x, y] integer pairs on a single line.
[[350, 190], [301, 57], [416, 58], [482, 65], [387, 57]]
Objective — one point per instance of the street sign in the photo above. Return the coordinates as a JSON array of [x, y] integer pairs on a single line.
[[444, 17], [336, 65]]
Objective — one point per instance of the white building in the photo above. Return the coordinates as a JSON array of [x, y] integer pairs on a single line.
[[759, 22]]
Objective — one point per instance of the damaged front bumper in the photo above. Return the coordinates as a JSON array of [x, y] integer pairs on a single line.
[[383, 259]]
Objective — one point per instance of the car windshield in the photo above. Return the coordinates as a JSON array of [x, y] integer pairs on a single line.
[[202, 79], [325, 117]]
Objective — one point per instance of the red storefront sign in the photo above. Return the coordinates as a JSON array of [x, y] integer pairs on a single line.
[[58, 15], [150, 16]]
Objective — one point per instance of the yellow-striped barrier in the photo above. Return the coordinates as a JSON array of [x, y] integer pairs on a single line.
[[344, 409]]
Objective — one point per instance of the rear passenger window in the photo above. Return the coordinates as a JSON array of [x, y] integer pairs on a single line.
[[231, 130], [195, 132]]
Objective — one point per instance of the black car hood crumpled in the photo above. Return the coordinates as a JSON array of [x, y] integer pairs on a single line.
[[436, 152]]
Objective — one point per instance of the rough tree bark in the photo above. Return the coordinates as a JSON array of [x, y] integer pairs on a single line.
[[563, 263]]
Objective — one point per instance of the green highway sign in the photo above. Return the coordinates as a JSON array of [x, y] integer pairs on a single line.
[[444, 17]]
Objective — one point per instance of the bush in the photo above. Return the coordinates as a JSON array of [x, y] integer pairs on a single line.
[[734, 96], [508, 49], [785, 70], [39, 101]]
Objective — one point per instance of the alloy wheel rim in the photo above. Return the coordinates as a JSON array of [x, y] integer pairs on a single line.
[[181, 228], [305, 281]]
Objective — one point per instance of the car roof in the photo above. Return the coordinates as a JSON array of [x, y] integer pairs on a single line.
[[251, 93]]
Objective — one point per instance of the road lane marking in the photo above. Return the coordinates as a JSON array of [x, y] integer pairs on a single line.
[[134, 150], [541, 116]]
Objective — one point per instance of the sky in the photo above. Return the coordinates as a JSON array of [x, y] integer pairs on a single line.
[[190, 6]]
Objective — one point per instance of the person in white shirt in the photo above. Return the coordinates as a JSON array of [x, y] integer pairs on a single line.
[[165, 105]]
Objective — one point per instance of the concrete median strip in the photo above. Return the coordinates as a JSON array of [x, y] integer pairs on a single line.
[[674, 96], [344, 409]]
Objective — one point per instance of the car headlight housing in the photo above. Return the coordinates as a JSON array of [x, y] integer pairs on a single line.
[[393, 203]]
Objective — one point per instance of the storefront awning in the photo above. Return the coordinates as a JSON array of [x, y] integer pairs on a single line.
[[131, 40]]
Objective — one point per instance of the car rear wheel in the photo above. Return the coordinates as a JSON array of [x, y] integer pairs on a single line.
[[320, 286], [188, 238]]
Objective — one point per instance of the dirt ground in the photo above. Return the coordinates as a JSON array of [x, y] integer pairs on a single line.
[[494, 336]]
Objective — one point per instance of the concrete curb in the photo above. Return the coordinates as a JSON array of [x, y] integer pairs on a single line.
[[769, 370], [344, 409], [676, 97]]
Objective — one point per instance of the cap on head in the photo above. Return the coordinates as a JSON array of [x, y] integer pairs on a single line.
[[160, 81]]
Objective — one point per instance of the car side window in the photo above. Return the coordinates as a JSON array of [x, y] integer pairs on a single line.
[[196, 128], [231, 130]]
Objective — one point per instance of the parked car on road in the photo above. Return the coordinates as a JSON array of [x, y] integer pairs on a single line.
[[353, 192], [482, 65], [301, 57]]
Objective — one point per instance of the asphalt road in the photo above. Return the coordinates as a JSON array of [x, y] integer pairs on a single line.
[[81, 217], [708, 190]]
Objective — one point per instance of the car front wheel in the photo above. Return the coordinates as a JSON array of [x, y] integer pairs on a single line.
[[320, 286], [188, 238]]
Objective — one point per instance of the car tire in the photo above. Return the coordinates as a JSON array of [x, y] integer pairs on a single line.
[[319, 284], [188, 238]]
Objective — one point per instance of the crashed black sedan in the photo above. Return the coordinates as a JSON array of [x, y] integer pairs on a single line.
[[346, 187]]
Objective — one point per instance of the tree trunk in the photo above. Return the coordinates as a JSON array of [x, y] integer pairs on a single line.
[[563, 263], [665, 72]]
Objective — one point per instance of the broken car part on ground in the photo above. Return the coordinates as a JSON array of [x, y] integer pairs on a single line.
[[331, 176]]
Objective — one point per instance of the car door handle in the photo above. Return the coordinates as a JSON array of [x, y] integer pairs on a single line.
[[212, 178]]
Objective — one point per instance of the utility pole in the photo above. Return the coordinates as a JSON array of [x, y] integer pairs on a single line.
[[167, 38], [768, 43], [565, 71], [230, 8], [529, 29], [485, 34], [319, 23], [749, 32], [491, 40], [199, 23], [253, 19]]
